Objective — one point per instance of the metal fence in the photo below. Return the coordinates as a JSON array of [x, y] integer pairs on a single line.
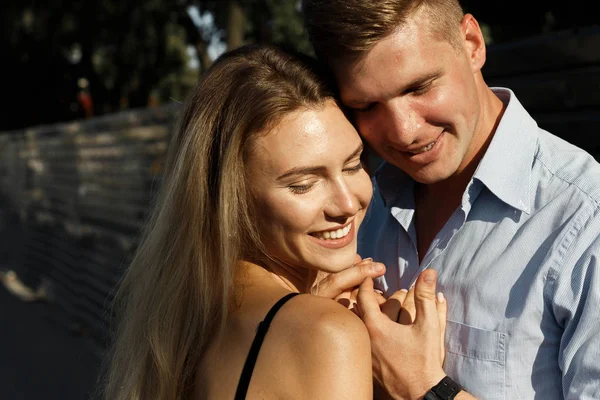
[[73, 198]]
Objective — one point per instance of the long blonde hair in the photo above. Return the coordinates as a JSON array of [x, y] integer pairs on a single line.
[[177, 291]]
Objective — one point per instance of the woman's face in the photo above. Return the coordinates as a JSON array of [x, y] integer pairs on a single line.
[[310, 190]]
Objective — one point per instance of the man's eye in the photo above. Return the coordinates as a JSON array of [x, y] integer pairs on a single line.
[[366, 108], [422, 89]]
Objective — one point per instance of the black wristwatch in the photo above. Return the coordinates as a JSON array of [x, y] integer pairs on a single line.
[[447, 389]]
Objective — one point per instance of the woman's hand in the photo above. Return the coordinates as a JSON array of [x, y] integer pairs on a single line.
[[343, 286]]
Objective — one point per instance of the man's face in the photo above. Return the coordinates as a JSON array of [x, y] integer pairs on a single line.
[[415, 101]]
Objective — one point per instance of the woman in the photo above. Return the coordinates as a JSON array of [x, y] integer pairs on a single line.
[[263, 194]]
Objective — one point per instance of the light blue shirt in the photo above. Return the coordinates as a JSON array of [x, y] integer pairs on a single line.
[[518, 262]]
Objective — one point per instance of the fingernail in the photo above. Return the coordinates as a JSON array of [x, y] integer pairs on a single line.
[[429, 279], [379, 291], [440, 297], [404, 290], [367, 259], [377, 267]]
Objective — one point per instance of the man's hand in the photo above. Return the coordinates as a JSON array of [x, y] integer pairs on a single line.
[[405, 336], [400, 307], [343, 286]]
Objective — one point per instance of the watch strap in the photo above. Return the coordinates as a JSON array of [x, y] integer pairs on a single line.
[[446, 389]]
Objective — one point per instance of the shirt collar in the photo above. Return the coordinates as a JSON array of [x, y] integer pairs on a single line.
[[392, 182], [505, 169]]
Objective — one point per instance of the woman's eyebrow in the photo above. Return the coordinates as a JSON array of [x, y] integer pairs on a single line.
[[356, 152], [301, 171], [313, 169]]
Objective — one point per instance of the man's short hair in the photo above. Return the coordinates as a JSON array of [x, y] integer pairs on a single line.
[[346, 29]]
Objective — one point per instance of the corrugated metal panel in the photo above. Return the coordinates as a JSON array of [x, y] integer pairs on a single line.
[[80, 193]]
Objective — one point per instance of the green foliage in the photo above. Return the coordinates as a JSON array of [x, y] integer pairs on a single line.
[[287, 24], [125, 50], [133, 53]]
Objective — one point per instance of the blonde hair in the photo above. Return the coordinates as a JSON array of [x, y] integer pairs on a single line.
[[346, 29], [177, 291]]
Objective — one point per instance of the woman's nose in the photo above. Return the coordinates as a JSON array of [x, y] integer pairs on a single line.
[[342, 201]]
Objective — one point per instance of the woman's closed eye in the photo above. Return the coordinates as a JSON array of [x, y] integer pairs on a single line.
[[301, 187], [354, 169]]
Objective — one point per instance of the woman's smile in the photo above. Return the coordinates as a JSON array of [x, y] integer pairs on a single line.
[[335, 238]]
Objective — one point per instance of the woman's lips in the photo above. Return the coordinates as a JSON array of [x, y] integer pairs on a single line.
[[348, 232]]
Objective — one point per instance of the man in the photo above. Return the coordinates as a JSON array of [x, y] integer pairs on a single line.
[[504, 212]]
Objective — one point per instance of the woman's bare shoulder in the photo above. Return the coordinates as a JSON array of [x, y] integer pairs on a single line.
[[327, 348], [313, 315]]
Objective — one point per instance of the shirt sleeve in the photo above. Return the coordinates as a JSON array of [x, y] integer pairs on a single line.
[[576, 307]]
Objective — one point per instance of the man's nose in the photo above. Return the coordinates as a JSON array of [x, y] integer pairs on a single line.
[[404, 123]]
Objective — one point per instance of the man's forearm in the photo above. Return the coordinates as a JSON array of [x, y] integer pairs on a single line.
[[462, 395]]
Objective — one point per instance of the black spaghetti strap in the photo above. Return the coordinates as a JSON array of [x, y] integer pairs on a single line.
[[261, 331]]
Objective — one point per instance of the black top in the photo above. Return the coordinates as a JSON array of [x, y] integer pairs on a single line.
[[261, 331]]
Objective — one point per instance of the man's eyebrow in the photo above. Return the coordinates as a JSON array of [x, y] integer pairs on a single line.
[[354, 103], [316, 168], [423, 79]]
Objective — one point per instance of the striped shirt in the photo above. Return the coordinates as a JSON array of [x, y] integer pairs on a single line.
[[518, 262]]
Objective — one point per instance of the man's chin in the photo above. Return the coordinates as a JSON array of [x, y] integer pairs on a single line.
[[431, 174], [429, 179]]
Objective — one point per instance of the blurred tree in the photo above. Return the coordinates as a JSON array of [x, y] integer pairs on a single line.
[[244, 21], [131, 53], [287, 27], [236, 24], [137, 53], [124, 50]]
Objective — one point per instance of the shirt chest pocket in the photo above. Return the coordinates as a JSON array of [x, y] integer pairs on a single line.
[[476, 358]]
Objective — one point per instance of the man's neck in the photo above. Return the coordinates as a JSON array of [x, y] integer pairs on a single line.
[[435, 203], [433, 208]]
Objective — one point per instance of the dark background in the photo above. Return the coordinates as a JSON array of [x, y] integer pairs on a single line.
[[65, 60], [89, 94]]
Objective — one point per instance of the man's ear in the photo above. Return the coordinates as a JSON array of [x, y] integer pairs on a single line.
[[474, 41]]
